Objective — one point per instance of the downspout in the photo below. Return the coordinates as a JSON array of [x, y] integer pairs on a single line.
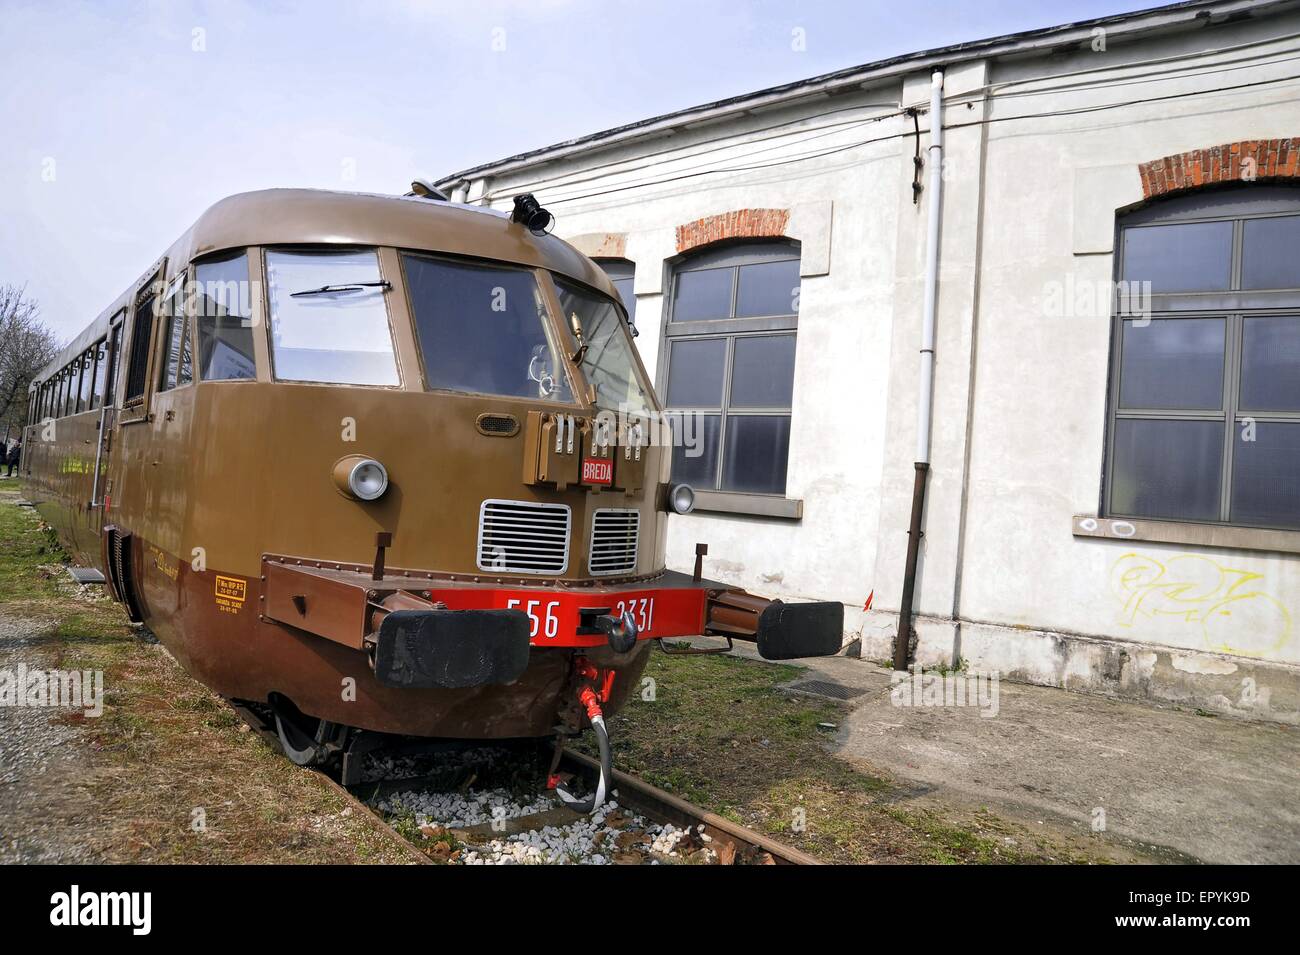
[[925, 406]]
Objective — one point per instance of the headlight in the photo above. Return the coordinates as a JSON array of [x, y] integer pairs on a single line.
[[361, 477], [681, 499]]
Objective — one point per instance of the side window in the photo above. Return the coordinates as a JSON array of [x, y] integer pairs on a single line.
[[483, 330], [622, 272], [174, 368], [87, 381], [114, 358], [74, 387], [1204, 410], [730, 347], [329, 317], [100, 353], [223, 315], [138, 367], [608, 362]]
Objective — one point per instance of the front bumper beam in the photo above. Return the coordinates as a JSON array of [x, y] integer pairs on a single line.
[[422, 630]]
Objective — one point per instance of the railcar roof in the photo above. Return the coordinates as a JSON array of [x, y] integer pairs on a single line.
[[317, 216]]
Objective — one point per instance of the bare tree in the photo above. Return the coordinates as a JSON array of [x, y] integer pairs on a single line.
[[26, 345]]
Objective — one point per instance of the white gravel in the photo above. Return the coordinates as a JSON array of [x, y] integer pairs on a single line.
[[610, 835], [43, 806]]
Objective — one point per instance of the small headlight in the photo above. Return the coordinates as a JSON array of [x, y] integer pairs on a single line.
[[361, 477], [368, 480], [681, 498]]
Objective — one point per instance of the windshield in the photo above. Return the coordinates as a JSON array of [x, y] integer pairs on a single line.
[[329, 321], [482, 329], [607, 360]]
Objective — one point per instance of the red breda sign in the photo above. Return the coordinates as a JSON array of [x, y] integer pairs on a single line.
[[597, 471]]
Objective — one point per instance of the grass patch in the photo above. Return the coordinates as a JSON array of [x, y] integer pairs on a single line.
[[173, 775], [720, 734]]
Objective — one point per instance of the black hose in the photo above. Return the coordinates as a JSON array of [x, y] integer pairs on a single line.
[[597, 798]]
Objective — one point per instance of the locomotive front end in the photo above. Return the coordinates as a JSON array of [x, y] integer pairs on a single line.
[[459, 525]]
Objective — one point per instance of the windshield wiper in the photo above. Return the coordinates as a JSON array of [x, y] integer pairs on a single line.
[[350, 287]]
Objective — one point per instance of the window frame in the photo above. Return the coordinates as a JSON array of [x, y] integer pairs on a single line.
[[252, 256], [567, 341], [1234, 305], [555, 335], [262, 253], [178, 290], [135, 408], [733, 256]]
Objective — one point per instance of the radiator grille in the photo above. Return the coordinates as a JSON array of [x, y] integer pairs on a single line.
[[523, 538], [614, 533]]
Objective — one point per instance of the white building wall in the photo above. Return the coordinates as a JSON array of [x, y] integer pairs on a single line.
[[1020, 391]]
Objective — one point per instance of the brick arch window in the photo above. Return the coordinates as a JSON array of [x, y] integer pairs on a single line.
[[728, 360], [1253, 160], [1204, 405]]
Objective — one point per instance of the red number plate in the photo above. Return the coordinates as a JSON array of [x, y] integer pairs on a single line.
[[597, 471]]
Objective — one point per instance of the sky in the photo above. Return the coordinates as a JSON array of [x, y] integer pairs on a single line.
[[122, 121]]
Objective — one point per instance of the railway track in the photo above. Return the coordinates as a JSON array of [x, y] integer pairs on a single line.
[[642, 808]]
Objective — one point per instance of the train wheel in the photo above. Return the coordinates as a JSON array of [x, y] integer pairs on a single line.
[[307, 741]]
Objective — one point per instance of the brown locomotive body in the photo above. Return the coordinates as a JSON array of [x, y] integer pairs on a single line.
[[214, 442]]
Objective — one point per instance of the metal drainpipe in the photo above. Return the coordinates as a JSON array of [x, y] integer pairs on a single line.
[[925, 406]]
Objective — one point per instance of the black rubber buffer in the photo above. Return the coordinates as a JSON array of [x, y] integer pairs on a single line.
[[452, 649], [791, 631]]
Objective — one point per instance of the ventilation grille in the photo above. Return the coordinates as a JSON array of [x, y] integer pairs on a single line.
[[614, 534], [523, 538], [498, 424]]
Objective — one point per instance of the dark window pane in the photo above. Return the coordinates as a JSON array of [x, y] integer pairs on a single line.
[[1172, 363], [758, 447], [695, 373], [768, 288], [483, 330], [1191, 257], [762, 372], [138, 369], [1270, 363], [1167, 469], [695, 448], [114, 360], [702, 295], [1266, 475], [223, 301], [1270, 253]]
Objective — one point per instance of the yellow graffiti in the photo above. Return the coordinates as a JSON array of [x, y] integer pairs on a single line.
[[75, 466], [1227, 606]]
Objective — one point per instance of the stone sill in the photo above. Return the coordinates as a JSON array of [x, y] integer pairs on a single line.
[[1187, 533], [754, 505]]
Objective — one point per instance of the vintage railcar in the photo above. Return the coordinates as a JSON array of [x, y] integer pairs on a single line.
[[386, 464]]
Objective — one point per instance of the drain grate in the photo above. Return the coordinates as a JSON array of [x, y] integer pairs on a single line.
[[85, 575], [834, 691]]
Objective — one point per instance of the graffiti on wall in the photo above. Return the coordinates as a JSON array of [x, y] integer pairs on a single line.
[[1231, 609]]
